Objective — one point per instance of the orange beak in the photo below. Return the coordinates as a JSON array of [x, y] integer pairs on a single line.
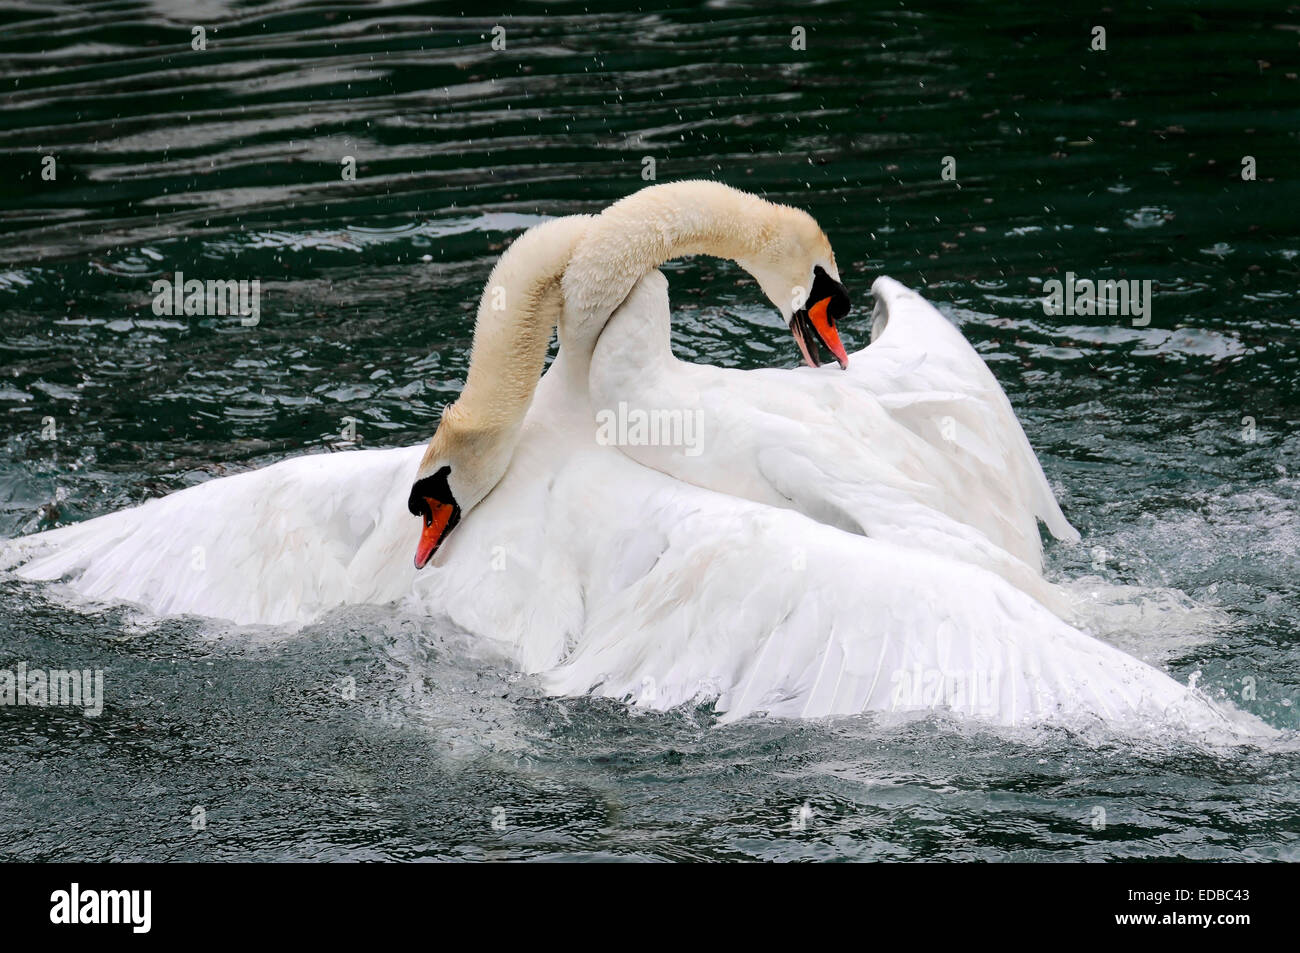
[[439, 519], [821, 322]]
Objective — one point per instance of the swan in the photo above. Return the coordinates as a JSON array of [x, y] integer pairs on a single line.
[[916, 443], [600, 575]]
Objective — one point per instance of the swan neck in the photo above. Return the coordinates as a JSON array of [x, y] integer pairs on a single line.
[[647, 229], [519, 309]]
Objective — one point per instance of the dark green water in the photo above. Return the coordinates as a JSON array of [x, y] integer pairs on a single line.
[[1173, 446]]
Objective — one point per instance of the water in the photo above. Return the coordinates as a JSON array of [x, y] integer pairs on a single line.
[[1174, 446]]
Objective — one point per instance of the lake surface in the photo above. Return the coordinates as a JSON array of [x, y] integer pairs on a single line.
[[1173, 445]]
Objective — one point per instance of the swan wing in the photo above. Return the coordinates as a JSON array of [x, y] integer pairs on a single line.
[[274, 545], [927, 375], [766, 610]]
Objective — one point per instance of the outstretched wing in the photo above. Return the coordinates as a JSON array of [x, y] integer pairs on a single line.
[[926, 374], [279, 544]]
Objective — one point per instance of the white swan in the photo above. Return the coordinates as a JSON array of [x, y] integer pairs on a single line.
[[916, 444], [602, 575], [782, 247]]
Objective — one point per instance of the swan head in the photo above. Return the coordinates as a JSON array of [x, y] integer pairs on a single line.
[[796, 269], [461, 465]]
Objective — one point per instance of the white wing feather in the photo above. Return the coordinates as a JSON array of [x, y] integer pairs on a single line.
[[280, 544]]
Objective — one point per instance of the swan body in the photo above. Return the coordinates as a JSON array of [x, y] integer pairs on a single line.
[[915, 443]]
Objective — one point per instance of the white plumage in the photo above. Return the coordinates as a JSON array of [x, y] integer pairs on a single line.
[[603, 576], [915, 443], [844, 546]]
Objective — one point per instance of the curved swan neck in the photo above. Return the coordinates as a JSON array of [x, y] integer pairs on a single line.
[[519, 309], [652, 226], [520, 306]]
